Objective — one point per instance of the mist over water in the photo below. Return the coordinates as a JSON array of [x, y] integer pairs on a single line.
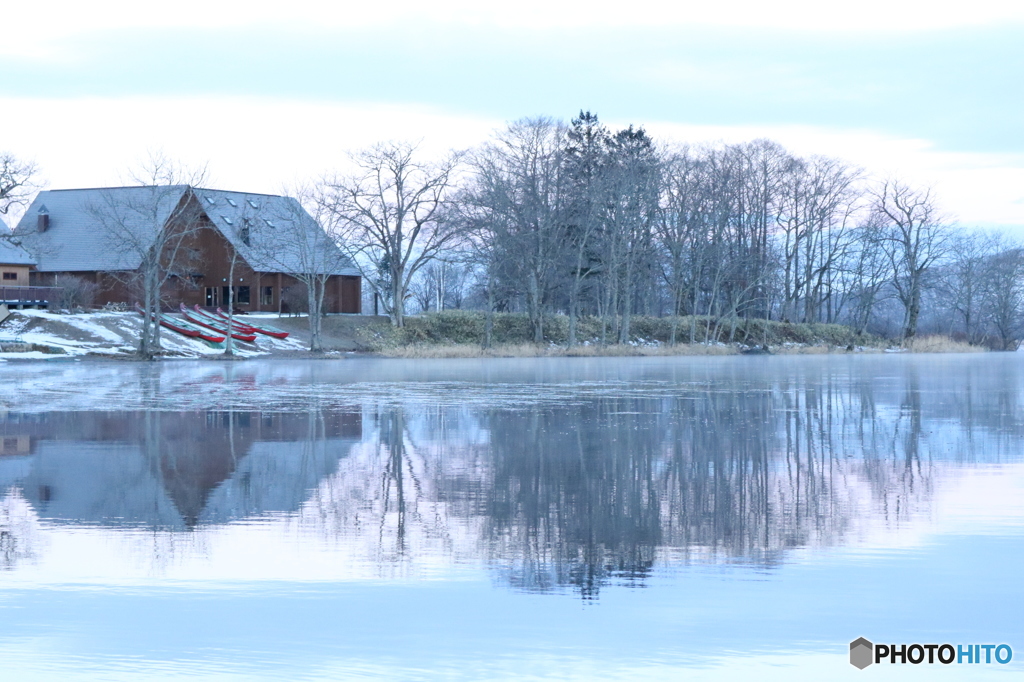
[[419, 518]]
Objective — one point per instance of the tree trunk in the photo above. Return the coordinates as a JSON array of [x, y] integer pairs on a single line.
[[315, 289], [147, 321], [397, 304], [229, 342], [627, 306], [489, 322], [156, 345], [913, 311], [534, 303], [572, 319]]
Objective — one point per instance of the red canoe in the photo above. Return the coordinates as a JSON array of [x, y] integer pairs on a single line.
[[199, 313], [269, 331], [236, 333], [183, 328]]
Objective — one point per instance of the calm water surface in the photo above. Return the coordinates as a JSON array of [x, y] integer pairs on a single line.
[[605, 518]]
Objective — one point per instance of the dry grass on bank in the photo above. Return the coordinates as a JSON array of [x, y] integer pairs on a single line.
[[530, 350], [925, 344], [937, 343], [459, 334]]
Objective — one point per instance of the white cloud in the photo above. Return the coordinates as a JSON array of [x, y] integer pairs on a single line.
[[39, 28], [256, 144], [975, 188], [262, 144]]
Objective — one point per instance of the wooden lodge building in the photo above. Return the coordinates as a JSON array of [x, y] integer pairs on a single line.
[[102, 236]]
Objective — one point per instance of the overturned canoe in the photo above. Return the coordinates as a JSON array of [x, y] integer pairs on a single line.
[[261, 329], [183, 327], [198, 313], [217, 326]]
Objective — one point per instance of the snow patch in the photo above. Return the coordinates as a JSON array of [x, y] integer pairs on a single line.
[[109, 332]]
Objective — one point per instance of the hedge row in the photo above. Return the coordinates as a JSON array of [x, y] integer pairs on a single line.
[[467, 327]]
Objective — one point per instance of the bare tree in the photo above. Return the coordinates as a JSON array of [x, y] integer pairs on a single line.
[[75, 292], [1003, 287], [916, 237], [818, 203], [149, 228], [18, 182], [441, 284], [963, 281], [392, 213], [300, 238], [865, 271], [483, 229], [249, 221], [517, 198]]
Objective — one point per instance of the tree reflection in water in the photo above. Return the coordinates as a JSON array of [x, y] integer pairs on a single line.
[[552, 495], [604, 490]]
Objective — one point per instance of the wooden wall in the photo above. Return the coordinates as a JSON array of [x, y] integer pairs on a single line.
[[20, 272]]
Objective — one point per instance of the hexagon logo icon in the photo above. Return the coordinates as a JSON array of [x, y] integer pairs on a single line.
[[861, 653]]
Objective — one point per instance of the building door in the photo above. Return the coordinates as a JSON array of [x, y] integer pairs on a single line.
[[211, 297]]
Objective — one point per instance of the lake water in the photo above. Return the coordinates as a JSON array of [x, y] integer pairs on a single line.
[[571, 518]]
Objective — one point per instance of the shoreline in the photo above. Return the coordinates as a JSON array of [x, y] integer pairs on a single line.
[[107, 336], [502, 351]]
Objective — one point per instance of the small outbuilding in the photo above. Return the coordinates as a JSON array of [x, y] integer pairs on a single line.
[[16, 267], [15, 262]]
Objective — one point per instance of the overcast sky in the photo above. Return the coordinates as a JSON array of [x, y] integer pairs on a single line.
[[273, 93]]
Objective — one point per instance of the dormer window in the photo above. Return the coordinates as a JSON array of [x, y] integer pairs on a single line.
[[227, 220], [210, 200], [269, 224], [232, 202], [244, 234], [253, 204]]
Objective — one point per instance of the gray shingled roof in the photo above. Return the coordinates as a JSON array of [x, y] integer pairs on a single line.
[[78, 238], [282, 236]]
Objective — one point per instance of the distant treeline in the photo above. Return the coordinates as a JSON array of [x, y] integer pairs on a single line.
[[586, 221]]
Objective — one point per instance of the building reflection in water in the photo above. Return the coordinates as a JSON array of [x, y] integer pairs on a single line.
[[173, 471], [554, 496]]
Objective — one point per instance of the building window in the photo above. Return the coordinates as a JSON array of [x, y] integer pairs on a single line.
[[267, 296], [10, 275]]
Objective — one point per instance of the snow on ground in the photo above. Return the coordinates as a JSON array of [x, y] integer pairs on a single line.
[[113, 333], [86, 322], [30, 355]]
